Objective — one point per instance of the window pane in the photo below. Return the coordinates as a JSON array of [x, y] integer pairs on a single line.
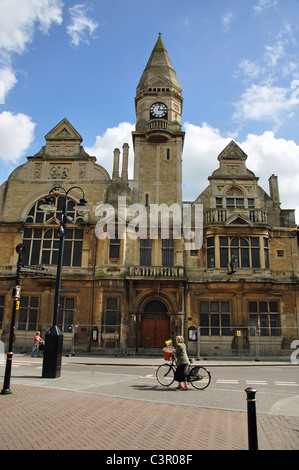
[[34, 301], [263, 307], [27, 233], [68, 321], [211, 257], [266, 253], [114, 248], [67, 253], [35, 252], [254, 241], [111, 318], [32, 319], [234, 253], [145, 252], [210, 241], [54, 257], [253, 323], [37, 233], [111, 304], [214, 306], [167, 252], [69, 303], [204, 324], [78, 234], [223, 257], [264, 326], [224, 306], [234, 242], [255, 256], [22, 319], [223, 241], [244, 258], [274, 325], [273, 306], [225, 325], [215, 325], [204, 306], [252, 307], [24, 302], [46, 257], [77, 254]]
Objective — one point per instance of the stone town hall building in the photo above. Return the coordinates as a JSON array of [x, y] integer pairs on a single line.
[[121, 294]]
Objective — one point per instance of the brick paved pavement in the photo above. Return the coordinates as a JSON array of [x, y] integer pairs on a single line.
[[39, 418]]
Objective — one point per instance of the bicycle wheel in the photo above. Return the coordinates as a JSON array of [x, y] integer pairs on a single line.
[[199, 377], [165, 375]]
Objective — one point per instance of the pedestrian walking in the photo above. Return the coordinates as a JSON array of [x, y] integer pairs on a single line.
[[37, 340], [182, 361]]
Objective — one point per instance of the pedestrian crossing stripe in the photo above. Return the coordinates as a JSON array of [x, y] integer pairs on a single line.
[[288, 384], [227, 381], [256, 382]]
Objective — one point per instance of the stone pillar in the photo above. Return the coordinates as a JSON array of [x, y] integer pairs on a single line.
[[124, 173], [115, 174]]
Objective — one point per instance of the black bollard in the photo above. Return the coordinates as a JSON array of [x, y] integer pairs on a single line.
[[251, 418]]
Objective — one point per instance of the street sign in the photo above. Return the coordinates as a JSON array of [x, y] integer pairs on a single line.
[[35, 268]]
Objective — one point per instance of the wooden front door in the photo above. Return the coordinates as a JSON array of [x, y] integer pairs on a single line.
[[154, 326]]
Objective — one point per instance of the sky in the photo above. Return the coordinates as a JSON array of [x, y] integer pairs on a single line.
[[237, 62]]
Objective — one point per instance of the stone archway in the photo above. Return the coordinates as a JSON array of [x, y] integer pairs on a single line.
[[155, 325]]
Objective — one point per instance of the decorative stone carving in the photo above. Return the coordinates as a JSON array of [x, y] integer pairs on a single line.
[[234, 191], [82, 170], [233, 169], [37, 171], [60, 172]]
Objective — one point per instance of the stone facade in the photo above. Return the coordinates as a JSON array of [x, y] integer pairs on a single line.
[[237, 294]]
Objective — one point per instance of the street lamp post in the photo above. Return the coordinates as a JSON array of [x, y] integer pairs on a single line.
[[20, 249], [54, 337]]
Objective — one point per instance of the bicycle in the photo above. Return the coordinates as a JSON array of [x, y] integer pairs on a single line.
[[198, 376]]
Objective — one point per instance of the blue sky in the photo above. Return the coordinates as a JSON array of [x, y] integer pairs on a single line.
[[237, 62]]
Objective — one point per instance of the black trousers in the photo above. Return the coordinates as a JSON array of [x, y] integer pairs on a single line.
[[181, 373]]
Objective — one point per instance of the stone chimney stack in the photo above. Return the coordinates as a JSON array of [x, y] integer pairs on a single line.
[[274, 191], [115, 174], [124, 173]]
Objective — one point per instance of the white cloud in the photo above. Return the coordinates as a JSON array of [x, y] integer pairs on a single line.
[[16, 134], [81, 26], [113, 138], [7, 81], [264, 5], [20, 17], [266, 153], [226, 21], [267, 96], [18, 22], [264, 102]]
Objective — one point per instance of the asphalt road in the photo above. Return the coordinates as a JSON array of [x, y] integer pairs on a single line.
[[277, 386]]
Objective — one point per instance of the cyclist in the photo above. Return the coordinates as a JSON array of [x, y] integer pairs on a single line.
[[182, 361]]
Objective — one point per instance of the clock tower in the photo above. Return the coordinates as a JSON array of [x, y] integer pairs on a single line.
[[158, 139]]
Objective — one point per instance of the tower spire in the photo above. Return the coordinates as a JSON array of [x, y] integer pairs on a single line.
[[159, 66]]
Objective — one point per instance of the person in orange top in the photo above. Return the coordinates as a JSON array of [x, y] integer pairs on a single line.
[[36, 342]]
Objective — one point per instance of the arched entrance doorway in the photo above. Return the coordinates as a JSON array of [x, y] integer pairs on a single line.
[[154, 325]]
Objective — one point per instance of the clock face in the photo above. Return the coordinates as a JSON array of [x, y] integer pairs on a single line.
[[158, 110]]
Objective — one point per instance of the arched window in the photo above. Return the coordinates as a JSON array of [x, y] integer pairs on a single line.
[[241, 252], [41, 238]]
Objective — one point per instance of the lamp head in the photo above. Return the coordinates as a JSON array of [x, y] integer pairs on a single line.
[[48, 205], [82, 207]]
